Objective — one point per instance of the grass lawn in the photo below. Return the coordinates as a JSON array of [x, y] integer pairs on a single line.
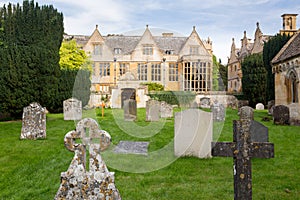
[[31, 169]]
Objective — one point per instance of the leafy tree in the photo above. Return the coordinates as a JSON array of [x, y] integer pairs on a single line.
[[72, 57], [154, 86], [254, 79], [271, 48]]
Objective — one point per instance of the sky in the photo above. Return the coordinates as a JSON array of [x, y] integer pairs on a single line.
[[220, 20]]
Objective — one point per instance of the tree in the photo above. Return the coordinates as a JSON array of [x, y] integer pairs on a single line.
[[72, 57], [30, 38], [254, 79], [215, 74], [223, 79], [271, 48], [75, 73]]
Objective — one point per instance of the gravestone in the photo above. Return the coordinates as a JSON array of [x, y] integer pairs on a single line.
[[152, 110], [294, 114], [259, 132], [166, 110], [78, 182], [242, 149], [72, 109], [130, 147], [126, 94], [281, 115], [193, 133], [259, 106], [242, 103], [33, 122], [218, 111], [205, 102], [270, 106], [130, 110]]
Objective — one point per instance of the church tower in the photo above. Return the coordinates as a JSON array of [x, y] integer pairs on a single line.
[[289, 24]]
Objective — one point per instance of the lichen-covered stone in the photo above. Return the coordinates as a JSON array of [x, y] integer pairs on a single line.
[[78, 182], [33, 122]]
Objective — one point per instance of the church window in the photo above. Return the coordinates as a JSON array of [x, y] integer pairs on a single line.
[[155, 72], [173, 72], [294, 87]]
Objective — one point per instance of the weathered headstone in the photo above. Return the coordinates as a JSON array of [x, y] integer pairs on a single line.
[[193, 133], [33, 122], [72, 109], [242, 149], [130, 110], [166, 110], [259, 106], [294, 114], [259, 132], [281, 115], [131, 147], [205, 102], [152, 110], [218, 111], [242, 103], [270, 106], [78, 182]]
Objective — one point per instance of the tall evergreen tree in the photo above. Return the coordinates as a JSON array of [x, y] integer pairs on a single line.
[[254, 79], [271, 48], [31, 37]]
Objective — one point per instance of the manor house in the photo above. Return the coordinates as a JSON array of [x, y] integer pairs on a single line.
[[178, 63]]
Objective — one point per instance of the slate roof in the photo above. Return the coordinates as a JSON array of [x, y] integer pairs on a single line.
[[126, 43], [170, 43], [289, 50]]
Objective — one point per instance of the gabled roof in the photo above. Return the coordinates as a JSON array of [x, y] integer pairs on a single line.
[[289, 50]]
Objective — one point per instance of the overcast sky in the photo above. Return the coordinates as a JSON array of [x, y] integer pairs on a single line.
[[221, 20]]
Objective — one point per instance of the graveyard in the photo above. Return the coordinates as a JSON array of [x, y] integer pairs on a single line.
[[31, 169]]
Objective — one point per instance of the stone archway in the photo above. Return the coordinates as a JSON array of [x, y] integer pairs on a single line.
[[292, 84]]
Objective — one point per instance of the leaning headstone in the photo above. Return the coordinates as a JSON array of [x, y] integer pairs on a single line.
[[259, 132], [131, 147], [270, 107], [166, 110], [33, 122], [218, 111], [205, 102], [259, 106], [242, 149], [79, 182], [152, 110], [72, 109], [193, 133], [294, 114], [130, 110], [281, 115]]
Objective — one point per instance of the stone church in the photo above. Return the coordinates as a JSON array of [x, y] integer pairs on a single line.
[[178, 63], [286, 69], [237, 55]]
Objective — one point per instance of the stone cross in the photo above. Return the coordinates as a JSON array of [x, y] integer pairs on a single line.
[[242, 150], [78, 182]]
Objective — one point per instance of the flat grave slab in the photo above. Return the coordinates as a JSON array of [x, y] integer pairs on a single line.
[[132, 147]]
